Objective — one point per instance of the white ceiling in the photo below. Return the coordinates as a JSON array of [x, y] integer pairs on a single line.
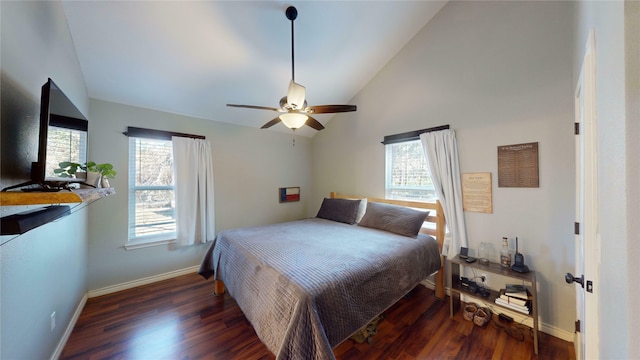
[[193, 57]]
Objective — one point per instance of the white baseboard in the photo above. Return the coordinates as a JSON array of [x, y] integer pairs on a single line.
[[545, 328], [557, 332], [69, 329], [140, 282]]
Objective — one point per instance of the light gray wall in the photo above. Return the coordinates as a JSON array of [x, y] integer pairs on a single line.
[[498, 73], [249, 167], [616, 26], [632, 99], [43, 270]]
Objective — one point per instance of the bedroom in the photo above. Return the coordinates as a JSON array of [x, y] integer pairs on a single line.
[[347, 156]]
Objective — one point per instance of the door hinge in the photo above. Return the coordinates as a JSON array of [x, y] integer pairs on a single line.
[[576, 228], [577, 326], [576, 128]]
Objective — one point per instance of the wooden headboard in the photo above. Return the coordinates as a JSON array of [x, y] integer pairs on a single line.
[[434, 226]]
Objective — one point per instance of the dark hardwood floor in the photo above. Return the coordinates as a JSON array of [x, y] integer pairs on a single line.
[[180, 319]]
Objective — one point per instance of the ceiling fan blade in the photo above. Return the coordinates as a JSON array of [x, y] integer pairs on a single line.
[[271, 123], [311, 122], [296, 95], [328, 109], [254, 107]]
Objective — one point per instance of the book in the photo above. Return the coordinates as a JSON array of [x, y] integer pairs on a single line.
[[515, 288], [512, 306], [517, 291], [511, 299]]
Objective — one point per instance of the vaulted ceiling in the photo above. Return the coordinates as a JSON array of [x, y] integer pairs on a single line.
[[193, 57]]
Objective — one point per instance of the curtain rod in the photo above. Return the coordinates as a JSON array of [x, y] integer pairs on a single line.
[[157, 134], [411, 135]]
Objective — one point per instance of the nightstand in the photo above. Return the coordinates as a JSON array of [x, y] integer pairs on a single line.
[[492, 268]]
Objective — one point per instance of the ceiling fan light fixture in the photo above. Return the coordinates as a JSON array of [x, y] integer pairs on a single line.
[[296, 95], [294, 120]]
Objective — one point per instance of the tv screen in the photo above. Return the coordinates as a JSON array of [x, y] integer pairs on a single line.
[[63, 134]]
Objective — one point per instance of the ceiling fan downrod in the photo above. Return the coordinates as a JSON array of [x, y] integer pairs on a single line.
[[292, 14]]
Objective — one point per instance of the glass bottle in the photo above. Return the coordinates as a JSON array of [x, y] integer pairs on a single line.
[[505, 254]]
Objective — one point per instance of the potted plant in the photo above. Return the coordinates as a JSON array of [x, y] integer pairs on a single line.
[[96, 174], [106, 172]]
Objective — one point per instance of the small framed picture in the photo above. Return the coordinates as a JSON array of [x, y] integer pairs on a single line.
[[289, 194]]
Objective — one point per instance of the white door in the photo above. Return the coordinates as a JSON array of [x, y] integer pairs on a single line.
[[587, 244]]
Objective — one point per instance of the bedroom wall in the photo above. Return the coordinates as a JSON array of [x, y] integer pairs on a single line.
[[43, 270], [632, 144], [249, 166], [617, 35], [498, 73]]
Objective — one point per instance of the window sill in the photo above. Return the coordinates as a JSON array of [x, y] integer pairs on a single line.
[[145, 244]]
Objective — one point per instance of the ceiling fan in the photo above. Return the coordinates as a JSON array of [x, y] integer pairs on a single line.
[[293, 108]]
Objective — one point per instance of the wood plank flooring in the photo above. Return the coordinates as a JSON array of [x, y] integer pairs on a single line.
[[180, 319]]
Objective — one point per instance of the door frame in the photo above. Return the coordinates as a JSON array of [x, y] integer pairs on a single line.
[[587, 240]]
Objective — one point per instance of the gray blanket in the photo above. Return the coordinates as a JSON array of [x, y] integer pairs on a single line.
[[307, 285]]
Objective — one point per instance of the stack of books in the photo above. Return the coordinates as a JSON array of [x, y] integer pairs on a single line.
[[515, 297]]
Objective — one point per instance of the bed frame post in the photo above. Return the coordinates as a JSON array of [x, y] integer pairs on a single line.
[[218, 288]]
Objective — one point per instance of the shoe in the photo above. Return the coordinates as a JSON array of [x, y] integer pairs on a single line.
[[470, 311], [482, 316]]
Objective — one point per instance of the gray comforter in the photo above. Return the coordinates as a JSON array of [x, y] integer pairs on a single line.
[[307, 285]]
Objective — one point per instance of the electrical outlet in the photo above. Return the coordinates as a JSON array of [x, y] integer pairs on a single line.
[[485, 279], [53, 320]]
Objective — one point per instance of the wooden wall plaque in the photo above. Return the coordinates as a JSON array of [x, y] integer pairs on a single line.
[[518, 165]]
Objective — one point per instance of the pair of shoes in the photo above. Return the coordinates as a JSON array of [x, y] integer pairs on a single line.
[[479, 316]]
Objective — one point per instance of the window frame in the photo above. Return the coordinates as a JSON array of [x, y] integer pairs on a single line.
[[391, 140], [390, 188]]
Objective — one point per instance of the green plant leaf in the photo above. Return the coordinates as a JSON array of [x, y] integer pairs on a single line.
[[65, 164]]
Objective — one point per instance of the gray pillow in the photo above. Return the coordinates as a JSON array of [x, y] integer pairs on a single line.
[[393, 218], [341, 210]]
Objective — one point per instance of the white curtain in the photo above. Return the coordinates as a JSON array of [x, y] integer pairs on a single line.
[[193, 171], [441, 149]]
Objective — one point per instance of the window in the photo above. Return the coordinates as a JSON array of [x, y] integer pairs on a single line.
[[151, 192], [407, 173]]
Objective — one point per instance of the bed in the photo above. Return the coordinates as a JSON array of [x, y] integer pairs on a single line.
[[308, 285]]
